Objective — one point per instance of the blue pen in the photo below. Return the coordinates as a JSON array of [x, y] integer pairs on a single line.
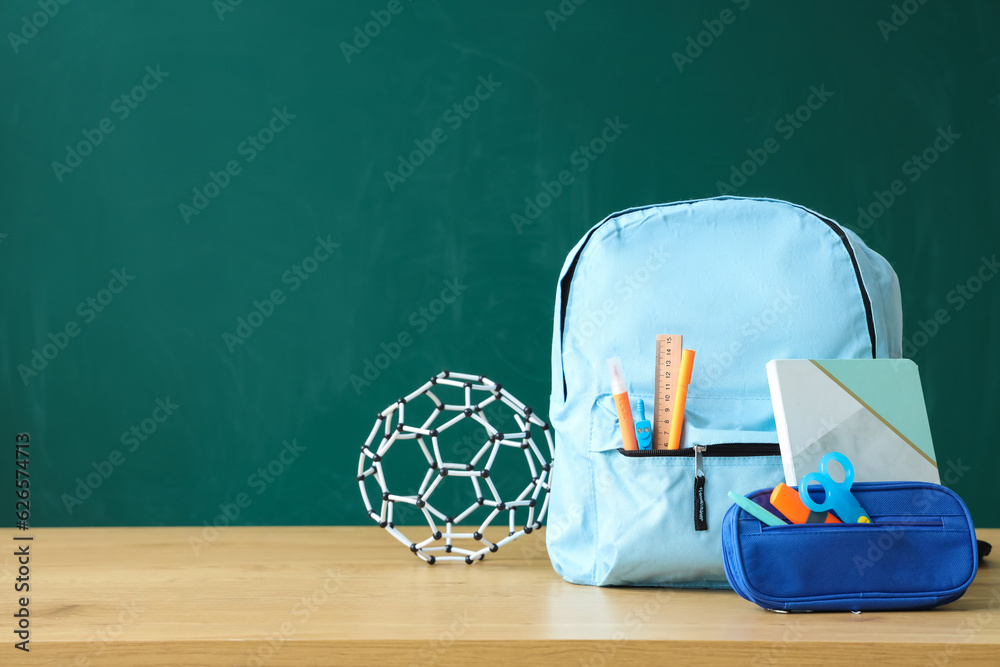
[[756, 510]]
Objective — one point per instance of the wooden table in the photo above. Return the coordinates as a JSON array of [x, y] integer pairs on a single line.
[[355, 596]]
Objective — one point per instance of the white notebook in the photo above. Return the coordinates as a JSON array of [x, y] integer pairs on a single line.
[[871, 410]]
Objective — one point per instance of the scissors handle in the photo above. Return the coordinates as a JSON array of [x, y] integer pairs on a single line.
[[838, 496], [844, 462], [821, 479]]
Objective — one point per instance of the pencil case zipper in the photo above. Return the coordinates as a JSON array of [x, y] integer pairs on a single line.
[[698, 452], [877, 522]]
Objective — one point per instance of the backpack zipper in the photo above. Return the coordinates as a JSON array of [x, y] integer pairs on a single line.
[[700, 508], [567, 280], [723, 449], [869, 319]]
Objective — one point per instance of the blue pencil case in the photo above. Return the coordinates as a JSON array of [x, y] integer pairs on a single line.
[[919, 552]]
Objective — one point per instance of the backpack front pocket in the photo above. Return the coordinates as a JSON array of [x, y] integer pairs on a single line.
[[659, 512]]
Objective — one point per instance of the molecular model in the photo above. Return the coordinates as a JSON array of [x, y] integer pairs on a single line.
[[472, 395]]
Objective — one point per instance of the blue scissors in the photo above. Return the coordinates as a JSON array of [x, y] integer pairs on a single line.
[[838, 496]]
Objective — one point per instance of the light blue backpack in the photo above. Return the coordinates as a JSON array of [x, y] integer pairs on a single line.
[[744, 281]]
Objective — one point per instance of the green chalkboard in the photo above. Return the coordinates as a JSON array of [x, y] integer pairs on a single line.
[[232, 232]]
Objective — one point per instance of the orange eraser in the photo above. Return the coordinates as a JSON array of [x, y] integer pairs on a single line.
[[786, 500]]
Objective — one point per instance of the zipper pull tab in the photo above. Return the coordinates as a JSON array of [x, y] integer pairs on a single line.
[[700, 509]]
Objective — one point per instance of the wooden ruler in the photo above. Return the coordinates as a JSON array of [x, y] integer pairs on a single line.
[[668, 364]]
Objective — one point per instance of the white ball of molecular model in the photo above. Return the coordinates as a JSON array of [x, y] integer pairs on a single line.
[[474, 393]]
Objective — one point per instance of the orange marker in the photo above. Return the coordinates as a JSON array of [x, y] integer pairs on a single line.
[[787, 501], [625, 423], [687, 365]]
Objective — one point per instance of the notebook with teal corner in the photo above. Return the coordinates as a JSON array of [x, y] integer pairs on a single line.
[[872, 410]]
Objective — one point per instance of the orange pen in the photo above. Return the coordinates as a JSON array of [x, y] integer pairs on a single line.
[[787, 501], [680, 398], [620, 394]]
